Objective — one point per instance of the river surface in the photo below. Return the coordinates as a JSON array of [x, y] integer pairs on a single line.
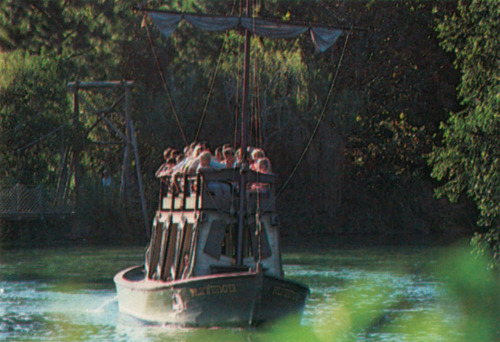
[[67, 294]]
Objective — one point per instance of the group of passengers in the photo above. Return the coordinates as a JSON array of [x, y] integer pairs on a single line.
[[197, 158]]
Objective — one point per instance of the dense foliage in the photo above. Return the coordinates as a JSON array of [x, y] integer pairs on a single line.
[[469, 159], [365, 169], [29, 101]]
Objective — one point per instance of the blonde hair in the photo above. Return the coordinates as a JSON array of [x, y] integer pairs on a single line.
[[257, 154], [205, 158]]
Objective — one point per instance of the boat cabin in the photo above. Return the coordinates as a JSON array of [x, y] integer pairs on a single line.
[[195, 231]]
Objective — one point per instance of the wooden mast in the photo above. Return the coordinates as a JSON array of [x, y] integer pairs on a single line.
[[244, 163]]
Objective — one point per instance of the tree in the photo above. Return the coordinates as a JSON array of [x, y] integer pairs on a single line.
[[34, 118], [469, 159], [395, 85]]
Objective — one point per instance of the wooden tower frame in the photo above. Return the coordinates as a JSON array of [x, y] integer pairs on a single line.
[[128, 139]]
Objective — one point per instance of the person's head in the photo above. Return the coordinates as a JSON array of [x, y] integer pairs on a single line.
[[190, 149], [263, 165], [250, 150], [218, 154], [174, 153], [257, 154], [229, 156], [171, 162], [205, 158], [197, 150], [204, 145], [237, 155], [166, 153]]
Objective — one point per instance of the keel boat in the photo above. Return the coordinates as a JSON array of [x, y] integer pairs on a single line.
[[214, 256]]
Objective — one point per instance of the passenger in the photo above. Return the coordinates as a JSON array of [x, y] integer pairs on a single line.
[[263, 166], [204, 145], [179, 159], [186, 158], [257, 154], [204, 162], [166, 153], [174, 153], [216, 164], [176, 169], [161, 172], [237, 156], [250, 150], [182, 159], [188, 152], [170, 166], [212, 161], [191, 147], [219, 189], [229, 159], [191, 166], [218, 154]]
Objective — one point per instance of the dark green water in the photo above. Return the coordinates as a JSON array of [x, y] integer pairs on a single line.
[[67, 294]]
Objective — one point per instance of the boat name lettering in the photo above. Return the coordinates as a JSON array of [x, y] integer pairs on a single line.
[[213, 290], [286, 293]]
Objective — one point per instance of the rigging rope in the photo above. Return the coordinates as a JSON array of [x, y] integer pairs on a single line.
[[19, 125], [308, 145], [238, 81], [164, 82], [34, 142], [212, 83], [258, 141], [256, 108]]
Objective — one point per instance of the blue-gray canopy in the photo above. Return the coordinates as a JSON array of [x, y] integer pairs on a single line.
[[322, 37]]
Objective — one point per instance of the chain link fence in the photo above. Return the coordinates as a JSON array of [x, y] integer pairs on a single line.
[[24, 202]]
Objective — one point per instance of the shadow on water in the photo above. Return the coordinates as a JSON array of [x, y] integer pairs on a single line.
[[66, 269]]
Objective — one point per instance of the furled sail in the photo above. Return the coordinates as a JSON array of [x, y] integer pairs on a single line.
[[322, 37]]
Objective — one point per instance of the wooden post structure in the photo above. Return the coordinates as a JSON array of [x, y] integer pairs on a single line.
[[76, 152], [124, 186], [139, 181], [128, 138]]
